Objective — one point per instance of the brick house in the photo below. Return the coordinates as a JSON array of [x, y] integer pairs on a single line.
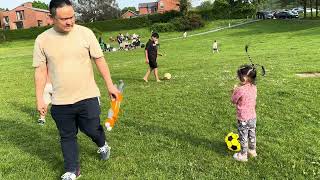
[[159, 6], [24, 17], [129, 14]]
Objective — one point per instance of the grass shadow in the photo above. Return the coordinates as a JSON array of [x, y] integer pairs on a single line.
[[215, 145], [31, 112], [31, 136], [32, 140]]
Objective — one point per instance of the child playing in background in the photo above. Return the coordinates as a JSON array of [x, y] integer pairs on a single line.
[[185, 35], [47, 93], [215, 47], [244, 97], [151, 52]]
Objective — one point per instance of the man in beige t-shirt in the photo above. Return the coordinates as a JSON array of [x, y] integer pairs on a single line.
[[66, 52]]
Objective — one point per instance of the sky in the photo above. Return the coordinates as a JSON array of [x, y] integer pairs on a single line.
[[10, 4]]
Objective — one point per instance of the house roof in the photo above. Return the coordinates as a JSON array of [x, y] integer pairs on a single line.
[[146, 5], [37, 9], [32, 8]]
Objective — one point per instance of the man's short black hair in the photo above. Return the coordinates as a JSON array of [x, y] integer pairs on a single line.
[[54, 4], [156, 35]]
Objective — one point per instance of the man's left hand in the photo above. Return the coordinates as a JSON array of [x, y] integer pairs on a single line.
[[113, 91]]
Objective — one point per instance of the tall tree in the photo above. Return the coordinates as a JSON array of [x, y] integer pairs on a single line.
[[4, 9], [304, 2], [317, 6], [185, 6], [40, 5], [127, 9], [205, 5], [311, 6], [96, 10]]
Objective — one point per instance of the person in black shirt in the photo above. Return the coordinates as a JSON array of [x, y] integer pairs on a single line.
[[151, 57]]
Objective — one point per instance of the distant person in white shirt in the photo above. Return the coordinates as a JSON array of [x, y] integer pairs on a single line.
[[215, 47], [185, 35], [134, 36]]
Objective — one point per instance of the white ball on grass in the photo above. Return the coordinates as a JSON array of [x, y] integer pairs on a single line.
[[167, 76]]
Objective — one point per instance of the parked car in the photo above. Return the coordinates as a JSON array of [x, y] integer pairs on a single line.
[[298, 9], [264, 15], [286, 15], [295, 13]]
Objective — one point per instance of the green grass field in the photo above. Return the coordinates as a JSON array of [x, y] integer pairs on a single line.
[[176, 129]]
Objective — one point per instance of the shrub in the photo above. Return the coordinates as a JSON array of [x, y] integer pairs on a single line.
[[163, 27], [19, 34], [187, 23], [101, 26], [205, 14], [138, 22], [243, 10], [181, 24], [222, 10], [196, 21], [97, 32], [163, 18], [119, 24]]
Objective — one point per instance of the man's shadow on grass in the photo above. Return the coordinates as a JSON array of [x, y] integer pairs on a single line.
[[215, 145], [31, 138]]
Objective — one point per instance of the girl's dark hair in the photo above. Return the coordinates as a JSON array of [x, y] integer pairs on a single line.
[[249, 71], [54, 4], [156, 35]]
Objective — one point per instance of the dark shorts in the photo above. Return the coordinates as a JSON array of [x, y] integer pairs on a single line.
[[153, 64]]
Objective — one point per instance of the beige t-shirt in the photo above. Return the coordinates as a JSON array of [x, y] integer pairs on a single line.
[[68, 57]]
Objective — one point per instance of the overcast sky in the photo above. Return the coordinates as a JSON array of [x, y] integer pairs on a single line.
[[122, 3]]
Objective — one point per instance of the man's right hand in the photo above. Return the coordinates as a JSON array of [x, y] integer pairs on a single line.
[[147, 61], [42, 108]]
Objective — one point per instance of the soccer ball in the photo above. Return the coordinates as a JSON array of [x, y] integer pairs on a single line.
[[167, 76], [232, 141]]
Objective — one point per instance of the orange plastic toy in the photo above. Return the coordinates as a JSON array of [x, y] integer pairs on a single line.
[[113, 112]]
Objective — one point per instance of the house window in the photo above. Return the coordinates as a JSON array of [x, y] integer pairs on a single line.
[[6, 24], [40, 23], [153, 10], [6, 20], [20, 15], [161, 5], [19, 25]]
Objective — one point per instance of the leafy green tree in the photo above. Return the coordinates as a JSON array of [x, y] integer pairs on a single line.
[[317, 6], [205, 5], [185, 6], [133, 9], [96, 10], [40, 5]]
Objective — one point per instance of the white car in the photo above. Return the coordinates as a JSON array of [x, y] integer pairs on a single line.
[[298, 9]]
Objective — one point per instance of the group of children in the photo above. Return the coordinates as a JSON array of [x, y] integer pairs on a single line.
[[243, 97], [124, 44]]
